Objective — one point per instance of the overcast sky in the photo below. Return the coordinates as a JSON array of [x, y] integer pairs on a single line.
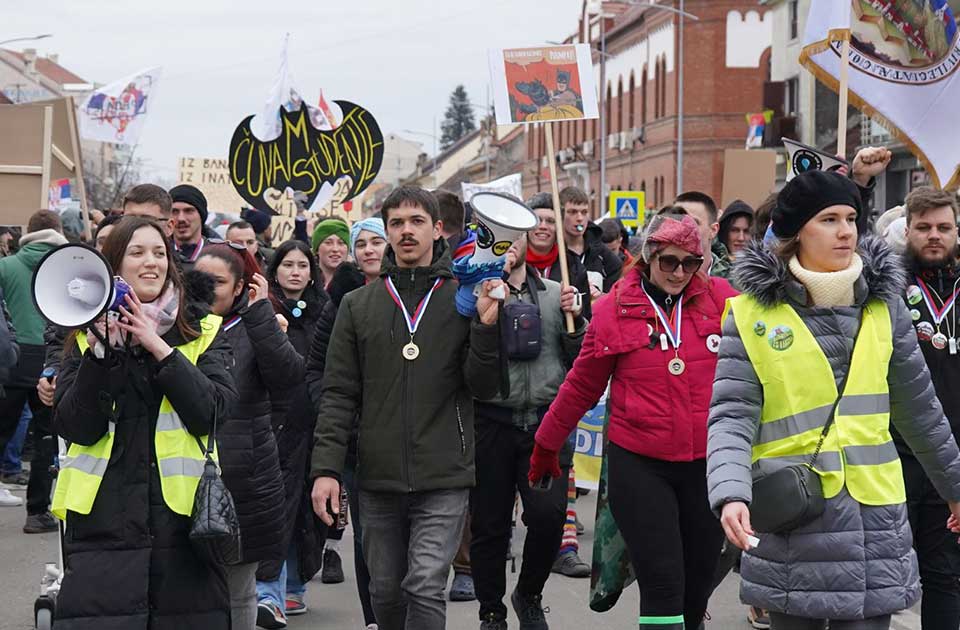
[[398, 58]]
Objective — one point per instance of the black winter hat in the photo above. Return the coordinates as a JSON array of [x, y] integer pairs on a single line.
[[191, 194], [806, 195]]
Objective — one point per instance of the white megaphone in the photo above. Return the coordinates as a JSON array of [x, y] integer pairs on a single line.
[[501, 219], [803, 158], [73, 285]]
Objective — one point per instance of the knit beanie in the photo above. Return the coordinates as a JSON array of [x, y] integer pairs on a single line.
[[258, 220], [370, 224], [665, 230], [806, 195], [327, 228], [191, 194]]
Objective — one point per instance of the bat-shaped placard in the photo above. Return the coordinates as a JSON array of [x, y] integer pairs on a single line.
[[304, 158]]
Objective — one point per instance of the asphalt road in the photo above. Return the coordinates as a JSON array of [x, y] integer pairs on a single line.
[[335, 607]]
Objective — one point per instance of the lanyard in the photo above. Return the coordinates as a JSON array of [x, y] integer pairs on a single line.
[[196, 250], [230, 323], [938, 314], [672, 330], [413, 323]]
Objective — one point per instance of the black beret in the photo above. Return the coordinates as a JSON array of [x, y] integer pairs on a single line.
[[806, 195]]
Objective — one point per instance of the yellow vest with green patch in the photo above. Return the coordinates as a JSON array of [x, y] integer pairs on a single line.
[[179, 458], [799, 391]]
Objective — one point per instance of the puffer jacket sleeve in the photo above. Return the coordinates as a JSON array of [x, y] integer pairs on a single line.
[[86, 389], [481, 369], [199, 392], [317, 358], [915, 409], [278, 361], [734, 420]]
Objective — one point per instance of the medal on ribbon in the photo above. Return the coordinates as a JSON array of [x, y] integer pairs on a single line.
[[938, 340], [411, 350], [675, 366]]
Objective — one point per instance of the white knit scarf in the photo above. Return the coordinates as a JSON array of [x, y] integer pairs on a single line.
[[830, 288]]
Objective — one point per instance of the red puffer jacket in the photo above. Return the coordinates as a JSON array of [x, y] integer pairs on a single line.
[[652, 412]]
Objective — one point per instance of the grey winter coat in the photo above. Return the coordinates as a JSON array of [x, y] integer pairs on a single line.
[[855, 561]]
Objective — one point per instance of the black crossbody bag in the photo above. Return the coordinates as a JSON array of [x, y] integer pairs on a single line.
[[793, 496], [214, 524]]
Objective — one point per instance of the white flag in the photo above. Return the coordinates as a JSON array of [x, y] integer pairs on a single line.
[[117, 112], [509, 184], [903, 62]]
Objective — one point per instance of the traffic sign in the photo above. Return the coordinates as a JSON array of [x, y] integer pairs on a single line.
[[628, 206]]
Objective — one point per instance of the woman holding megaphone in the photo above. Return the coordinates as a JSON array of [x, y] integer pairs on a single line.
[[133, 413], [266, 367]]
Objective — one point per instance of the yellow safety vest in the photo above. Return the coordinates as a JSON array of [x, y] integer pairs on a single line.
[[799, 391], [179, 458]]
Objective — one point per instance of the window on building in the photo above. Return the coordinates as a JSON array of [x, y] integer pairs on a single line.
[[631, 119], [656, 91], [643, 97], [794, 17], [663, 86], [619, 104], [791, 96], [609, 107]]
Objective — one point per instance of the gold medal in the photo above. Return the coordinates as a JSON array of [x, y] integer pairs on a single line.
[[411, 351], [676, 366]]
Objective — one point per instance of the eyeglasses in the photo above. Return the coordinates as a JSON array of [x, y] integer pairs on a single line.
[[690, 264], [220, 241]]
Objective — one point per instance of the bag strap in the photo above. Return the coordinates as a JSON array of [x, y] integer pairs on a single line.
[[841, 389], [208, 450]]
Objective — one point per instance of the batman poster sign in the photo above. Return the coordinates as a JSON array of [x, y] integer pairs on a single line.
[[306, 159]]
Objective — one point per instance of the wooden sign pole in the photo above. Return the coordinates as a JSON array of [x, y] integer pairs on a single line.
[[561, 245], [842, 111]]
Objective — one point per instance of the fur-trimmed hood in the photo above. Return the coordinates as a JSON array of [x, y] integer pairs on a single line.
[[761, 274]]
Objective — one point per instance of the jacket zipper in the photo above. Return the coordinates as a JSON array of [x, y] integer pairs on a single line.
[[463, 443], [406, 453]]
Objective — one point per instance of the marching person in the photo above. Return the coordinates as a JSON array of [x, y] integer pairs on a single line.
[[151, 201], [934, 282], [294, 278], [369, 241], [411, 380], [265, 363], [735, 225], [505, 426], [133, 414], [656, 335], [583, 239], [242, 233], [188, 215], [818, 357], [330, 241]]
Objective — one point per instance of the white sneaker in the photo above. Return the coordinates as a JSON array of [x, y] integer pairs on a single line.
[[373, 626], [7, 499]]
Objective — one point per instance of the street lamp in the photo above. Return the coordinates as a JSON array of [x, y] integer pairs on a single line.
[[26, 39], [603, 90]]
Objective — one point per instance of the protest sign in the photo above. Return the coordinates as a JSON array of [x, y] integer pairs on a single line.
[[588, 453], [212, 177], [508, 185], [117, 112], [543, 83], [903, 59], [749, 175], [802, 158]]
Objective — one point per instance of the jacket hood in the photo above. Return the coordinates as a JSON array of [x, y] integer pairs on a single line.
[[50, 237], [439, 268], [32, 252], [762, 274], [593, 234]]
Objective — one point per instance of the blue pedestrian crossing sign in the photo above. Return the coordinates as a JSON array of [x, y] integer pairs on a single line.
[[628, 206]]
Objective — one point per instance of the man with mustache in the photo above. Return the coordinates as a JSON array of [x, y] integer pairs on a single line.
[[403, 366], [932, 286], [187, 217]]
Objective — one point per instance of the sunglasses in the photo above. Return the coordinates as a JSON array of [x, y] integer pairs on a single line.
[[690, 264], [220, 241]]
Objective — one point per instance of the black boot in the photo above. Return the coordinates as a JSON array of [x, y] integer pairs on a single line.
[[529, 611]]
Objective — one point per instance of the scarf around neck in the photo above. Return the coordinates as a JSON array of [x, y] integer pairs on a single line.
[[542, 262], [830, 288]]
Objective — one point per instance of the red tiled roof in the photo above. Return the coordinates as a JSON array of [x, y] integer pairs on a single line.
[[53, 71]]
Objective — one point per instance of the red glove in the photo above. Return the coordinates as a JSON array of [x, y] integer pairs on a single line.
[[543, 462]]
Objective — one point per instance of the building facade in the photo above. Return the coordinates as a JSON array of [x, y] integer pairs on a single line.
[[726, 66]]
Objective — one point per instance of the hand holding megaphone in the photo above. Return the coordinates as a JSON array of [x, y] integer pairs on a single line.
[[488, 304], [141, 328]]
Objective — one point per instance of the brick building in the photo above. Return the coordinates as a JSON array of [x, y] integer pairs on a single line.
[[727, 62]]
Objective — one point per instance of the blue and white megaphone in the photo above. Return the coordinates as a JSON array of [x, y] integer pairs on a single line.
[[73, 285]]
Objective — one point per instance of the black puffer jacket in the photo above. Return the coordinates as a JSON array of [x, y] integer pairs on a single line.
[[294, 418], [598, 258], [266, 364], [129, 563]]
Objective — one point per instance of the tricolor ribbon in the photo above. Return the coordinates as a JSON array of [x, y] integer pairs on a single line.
[[672, 329], [230, 323], [196, 250], [412, 322], [938, 314]]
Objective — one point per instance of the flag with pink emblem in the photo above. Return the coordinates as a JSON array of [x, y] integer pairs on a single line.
[[117, 112]]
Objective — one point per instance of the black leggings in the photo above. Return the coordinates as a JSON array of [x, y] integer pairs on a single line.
[[780, 621], [673, 538]]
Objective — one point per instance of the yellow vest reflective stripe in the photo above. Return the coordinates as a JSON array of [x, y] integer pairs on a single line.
[[179, 458], [799, 391]]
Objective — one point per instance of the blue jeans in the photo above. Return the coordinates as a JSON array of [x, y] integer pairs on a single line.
[[288, 583], [11, 464], [409, 541]]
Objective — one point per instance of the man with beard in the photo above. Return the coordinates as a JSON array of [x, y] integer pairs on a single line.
[[187, 217], [933, 284]]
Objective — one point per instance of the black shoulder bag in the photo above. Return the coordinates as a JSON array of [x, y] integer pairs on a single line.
[[793, 496], [214, 526]]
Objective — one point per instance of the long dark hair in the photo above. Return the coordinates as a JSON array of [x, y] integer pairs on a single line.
[[241, 264], [115, 248], [282, 252]]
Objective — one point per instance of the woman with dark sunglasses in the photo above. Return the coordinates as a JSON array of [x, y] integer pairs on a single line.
[[655, 338]]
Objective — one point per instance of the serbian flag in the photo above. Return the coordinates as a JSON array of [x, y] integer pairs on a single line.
[[904, 58]]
